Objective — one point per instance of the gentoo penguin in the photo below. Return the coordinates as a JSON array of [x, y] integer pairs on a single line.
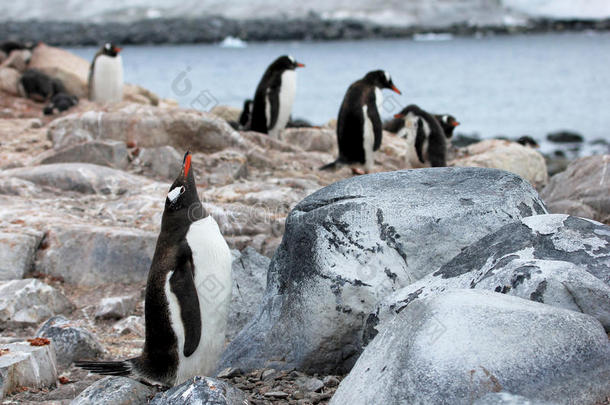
[[187, 294], [274, 97], [527, 140], [426, 143], [38, 86], [448, 123], [359, 125], [106, 75], [60, 102], [246, 115]]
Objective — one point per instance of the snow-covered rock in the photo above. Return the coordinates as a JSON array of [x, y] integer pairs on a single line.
[[457, 347], [553, 259], [201, 390], [354, 242]]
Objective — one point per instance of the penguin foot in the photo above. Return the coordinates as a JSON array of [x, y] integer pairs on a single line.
[[358, 171]]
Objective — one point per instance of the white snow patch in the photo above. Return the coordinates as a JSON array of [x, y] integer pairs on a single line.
[[545, 224], [233, 42]]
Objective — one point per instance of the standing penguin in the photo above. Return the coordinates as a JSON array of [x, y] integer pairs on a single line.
[[426, 143], [359, 125], [187, 294], [448, 123], [274, 97], [106, 75]]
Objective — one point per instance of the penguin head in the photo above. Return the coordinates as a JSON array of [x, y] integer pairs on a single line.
[[411, 114], [448, 123], [182, 196], [527, 140], [110, 49], [381, 79], [285, 62]]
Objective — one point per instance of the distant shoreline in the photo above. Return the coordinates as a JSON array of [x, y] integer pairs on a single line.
[[215, 29]]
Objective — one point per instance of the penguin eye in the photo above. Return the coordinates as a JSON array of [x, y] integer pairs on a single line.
[[173, 195]]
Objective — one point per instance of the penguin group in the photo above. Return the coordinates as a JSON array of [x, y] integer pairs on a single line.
[[185, 319], [104, 84]]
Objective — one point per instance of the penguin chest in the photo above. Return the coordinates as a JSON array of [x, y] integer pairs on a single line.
[[286, 95], [368, 140], [212, 278], [107, 86], [412, 156]]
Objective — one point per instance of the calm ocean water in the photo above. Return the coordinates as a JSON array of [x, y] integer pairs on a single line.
[[508, 85]]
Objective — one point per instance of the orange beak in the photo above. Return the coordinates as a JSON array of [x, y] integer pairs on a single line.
[[187, 164], [117, 49], [300, 64], [455, 124], [395, 89], [398, 116]]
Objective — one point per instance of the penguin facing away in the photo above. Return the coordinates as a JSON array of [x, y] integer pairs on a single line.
[[359, 127], [274, 97], [426, 141], [188, 292], [106, 75], [448, 123], [246, 115]]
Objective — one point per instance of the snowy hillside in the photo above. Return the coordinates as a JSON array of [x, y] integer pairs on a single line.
[[385, 12]]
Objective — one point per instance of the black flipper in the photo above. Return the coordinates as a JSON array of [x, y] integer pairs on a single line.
[[182, 284], [375, 120], [273, 98], [106, 367], [420, 138]]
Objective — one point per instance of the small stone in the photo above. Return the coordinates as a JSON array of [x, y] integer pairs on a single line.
[[71, 342], [115, 307], [313, 385], [132, 324], [266, 374], [201, 390], [17, 254], [276, 394], [229, 372], [330, 381]]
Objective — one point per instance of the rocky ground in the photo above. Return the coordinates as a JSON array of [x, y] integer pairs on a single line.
[[81, 197]]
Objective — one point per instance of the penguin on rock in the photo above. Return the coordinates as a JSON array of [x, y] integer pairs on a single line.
[[359, 127], [274, 97], [106, 75], [426, 140], [187, 294]]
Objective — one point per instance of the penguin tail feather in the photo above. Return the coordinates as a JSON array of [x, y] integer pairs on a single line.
[[123, 368], [332, 165]]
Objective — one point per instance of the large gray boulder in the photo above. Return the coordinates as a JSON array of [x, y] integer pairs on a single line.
[[554, 259], [25, 365], [457, 347], [71, 341], [354, 242], [103, 153], [249, 281], [201, 390], [114, 390], [146, 126], [582, 189], [93, 255], [79, 177], [17, 254], [29, 302]]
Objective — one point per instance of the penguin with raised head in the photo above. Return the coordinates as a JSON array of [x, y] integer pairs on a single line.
[[448, 123], [106, 75], [274, 97], [426, 141], [359, 124], [187, 294]]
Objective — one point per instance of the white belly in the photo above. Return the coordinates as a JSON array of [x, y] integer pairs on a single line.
[[287, 92], [107, 79], [212, 260], [368, 140], [409, 132], [378, 99]]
